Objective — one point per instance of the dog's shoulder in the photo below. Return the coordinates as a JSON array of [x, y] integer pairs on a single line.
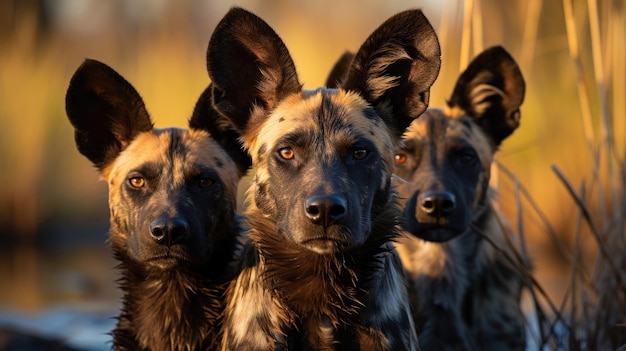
[[253, 318], [388, 305]]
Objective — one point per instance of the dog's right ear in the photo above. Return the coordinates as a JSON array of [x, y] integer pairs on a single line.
[[206, 118], [339, 72], [250, 68], [395, 67], [491, 90], [106, 111]]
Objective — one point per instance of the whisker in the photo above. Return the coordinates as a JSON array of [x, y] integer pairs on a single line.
[[400, 179]]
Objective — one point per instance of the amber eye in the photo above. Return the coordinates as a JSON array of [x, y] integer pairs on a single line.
[[137, 182], [286, 153], [359, 154], [400, 159], [205, 183]]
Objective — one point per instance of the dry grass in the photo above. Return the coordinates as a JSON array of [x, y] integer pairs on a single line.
[[596, 296], [592, 312], [589, 313]]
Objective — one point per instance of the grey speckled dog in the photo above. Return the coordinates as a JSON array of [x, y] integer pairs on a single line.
[[465, 293]]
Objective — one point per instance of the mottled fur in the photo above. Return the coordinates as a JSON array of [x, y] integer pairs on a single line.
[[172, 200], [319, 271], [465, 293]]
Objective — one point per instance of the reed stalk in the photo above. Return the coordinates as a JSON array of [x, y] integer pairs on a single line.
[[597, 313], [529, 36], [477, 28], [466, 34]]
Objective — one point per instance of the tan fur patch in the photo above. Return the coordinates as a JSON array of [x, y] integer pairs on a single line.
[[252, 302], [416, 130], [454, 111]]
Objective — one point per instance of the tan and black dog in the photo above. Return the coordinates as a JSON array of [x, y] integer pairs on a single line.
[[172, 200], [466, 294], [319, 271]]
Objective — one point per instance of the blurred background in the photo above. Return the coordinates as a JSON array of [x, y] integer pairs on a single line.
[[55, 265]]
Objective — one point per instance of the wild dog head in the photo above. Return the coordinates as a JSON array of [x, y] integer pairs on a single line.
[[445, 157], [172, 191], [322, 158]]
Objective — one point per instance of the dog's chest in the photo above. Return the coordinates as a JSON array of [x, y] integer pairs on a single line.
[[323, 298], [325, 304]]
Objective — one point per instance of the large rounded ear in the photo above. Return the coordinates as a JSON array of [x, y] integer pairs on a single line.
[[491, 90], [106, 111], [395, 67], [206, 118], [250, 67], [339, 72]]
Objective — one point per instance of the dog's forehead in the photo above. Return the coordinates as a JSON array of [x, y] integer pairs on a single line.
[[436, 126], [173, 145], [176, 151], [462, 129], [324, 111]]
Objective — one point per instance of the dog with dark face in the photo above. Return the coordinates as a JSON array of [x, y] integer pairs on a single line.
[[465, 292], [172, 200], [319, 271]]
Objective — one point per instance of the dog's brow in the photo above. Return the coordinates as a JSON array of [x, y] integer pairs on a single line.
[[298, 137], [198, 169], [148, 170], [352, 139], [462, 130], [460, 142], [342, 140], [408, 144]]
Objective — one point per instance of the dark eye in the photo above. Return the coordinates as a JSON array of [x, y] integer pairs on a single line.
[[466, 158], [137, 182], [286, 153], [359, 154], [205, 183], [400, 159]]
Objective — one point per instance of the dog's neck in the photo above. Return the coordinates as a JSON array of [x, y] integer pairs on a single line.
[[176, 311], [332, 285], [173, 309], [324, 294]]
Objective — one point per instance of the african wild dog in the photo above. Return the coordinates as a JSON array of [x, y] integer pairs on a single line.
[[319, 271], [172, 195], [465, 293]]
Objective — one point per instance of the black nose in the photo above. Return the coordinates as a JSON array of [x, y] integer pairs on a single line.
[[437, 204], [325, 209], [169, 231]]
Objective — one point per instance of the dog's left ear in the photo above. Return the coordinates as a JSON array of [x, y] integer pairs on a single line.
[[206, 118], [491, 90], [395, 67]]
